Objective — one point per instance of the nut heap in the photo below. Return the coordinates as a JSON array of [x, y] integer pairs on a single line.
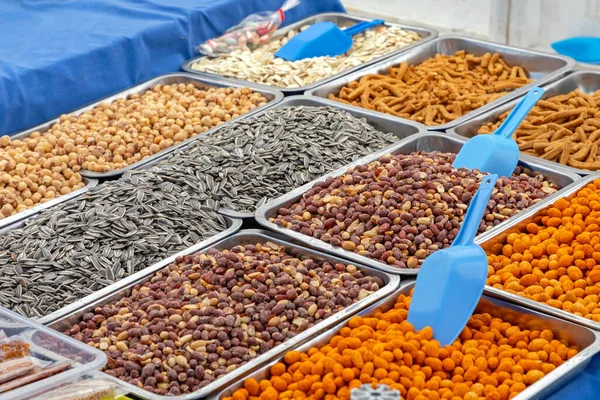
[[438, 90], [30, 177], [261, 65], [207, 314], [555, 258], [497, 356], [114, 135], [401, 208]]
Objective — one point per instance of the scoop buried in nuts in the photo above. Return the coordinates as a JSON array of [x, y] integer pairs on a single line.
[[401, 208], [451, 281], [498, 153]]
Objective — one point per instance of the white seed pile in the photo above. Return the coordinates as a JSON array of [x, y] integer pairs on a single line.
[[261, 65]]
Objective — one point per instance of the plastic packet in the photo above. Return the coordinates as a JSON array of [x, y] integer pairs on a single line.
[[254, 31], [89, 388], [14, 347], [17, 367], [41, 370]]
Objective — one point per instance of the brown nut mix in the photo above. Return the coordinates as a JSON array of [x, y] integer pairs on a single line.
[[401, 208], [114, 135], [207, 314], [30, 177]]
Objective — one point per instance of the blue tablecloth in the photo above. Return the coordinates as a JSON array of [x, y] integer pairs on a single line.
[[584, 386], [58, 55]]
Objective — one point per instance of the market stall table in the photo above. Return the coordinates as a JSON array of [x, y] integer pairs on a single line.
[[61, 55]]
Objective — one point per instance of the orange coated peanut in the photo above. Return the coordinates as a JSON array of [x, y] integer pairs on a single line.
[[491, 359], [556, 258]]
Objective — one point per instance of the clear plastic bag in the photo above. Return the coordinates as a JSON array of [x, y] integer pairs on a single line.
[[89, 388], [252, 32]]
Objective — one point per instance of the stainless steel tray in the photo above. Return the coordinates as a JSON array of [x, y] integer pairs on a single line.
[[272, 95], [426, 142], [244, 237], [30, 212], [586, 81], [401, 129], [543, 68], [587, 340], [339, 19], [518, 223]]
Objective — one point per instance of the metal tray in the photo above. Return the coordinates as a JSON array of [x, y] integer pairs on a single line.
[[517, 224], [33, 211], [586, 81], [234, 225], [339, 19], [543, 68], [243, 237], [587, 340], [401, 129], [426, 142], [272, 95]]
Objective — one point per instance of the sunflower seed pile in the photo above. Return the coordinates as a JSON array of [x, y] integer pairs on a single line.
[[112, 231], [253, 160]]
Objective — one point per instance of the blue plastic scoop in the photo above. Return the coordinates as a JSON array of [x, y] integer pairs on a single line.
[[450, 281], [498, 153], [581, 48], [323, 39]]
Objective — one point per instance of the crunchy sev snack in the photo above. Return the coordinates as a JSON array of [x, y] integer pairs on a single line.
[[563, 128], [439, 90]]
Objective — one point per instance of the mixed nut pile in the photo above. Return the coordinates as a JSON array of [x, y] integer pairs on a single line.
[[208, 313], [261, 65], [401, 208]]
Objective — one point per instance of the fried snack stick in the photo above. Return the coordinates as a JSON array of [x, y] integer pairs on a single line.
[[14, 368], [440, 89], [35, 375], [569, 122]]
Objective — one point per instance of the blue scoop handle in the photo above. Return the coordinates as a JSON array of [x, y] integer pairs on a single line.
[[470, 224], [362, 26], [518, 114]]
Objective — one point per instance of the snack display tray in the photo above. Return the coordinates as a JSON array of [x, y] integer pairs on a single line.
[[518, 224], [587, 340], [339, 19], [424, 142], [120, 289], [542, 67], [586, 81]]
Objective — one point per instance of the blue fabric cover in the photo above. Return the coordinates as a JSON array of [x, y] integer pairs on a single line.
[[59, 55]]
